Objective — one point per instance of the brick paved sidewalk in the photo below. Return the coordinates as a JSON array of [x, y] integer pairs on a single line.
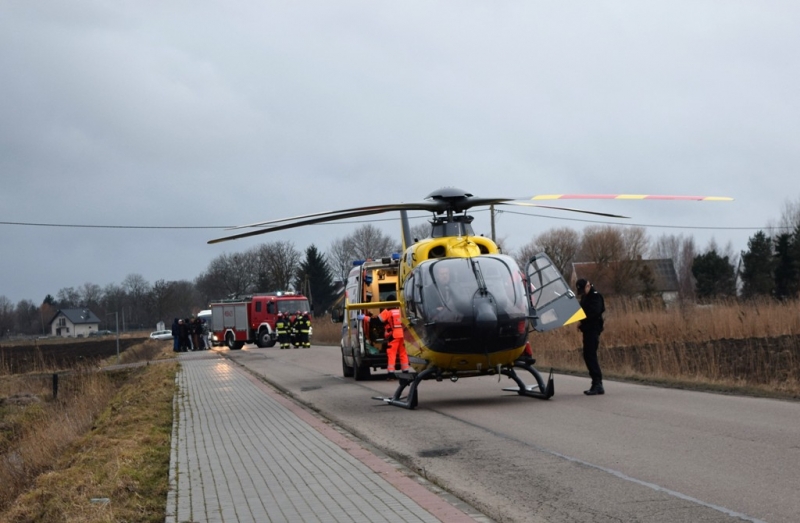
[[243, 453]]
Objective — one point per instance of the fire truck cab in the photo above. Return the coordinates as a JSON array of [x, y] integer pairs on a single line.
[[251, 319]]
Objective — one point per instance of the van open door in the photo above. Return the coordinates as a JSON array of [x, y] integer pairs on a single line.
[[552, 303]]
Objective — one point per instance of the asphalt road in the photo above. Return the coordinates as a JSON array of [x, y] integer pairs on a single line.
[[636, 454]]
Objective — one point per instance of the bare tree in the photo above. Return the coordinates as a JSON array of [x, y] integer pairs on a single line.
[[136, 290], [90, 294], [561, 245], [789, 220], [228, 275], [46, 313], [27, 317], [366, 242], [173, 299], [6, 316], [113, 300], [617, 253], [68, 298], [369, 242], [502, 245], [681, 250], [420, 231], [340, 257], [162, 300], [275, 265]]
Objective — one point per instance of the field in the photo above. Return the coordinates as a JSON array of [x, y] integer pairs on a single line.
[[43, 355]]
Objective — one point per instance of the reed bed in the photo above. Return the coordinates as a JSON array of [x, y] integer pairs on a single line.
[[750, 347]]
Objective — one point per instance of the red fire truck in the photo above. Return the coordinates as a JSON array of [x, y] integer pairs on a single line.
[[251, 319]]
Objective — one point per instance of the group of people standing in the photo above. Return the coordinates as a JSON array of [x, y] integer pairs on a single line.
[[293, 329], [190, 334]]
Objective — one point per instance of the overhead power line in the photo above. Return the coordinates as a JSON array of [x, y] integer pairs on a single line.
[[87, 226]]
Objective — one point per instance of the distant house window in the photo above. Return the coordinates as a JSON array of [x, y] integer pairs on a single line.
[[62, 322]]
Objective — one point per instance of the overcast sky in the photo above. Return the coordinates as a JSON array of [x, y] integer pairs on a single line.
[[193, 113]]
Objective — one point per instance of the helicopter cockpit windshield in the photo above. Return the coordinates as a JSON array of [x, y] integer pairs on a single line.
[[450, 287]]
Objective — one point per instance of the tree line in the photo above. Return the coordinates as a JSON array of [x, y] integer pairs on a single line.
[[770, 267], [139, 304]]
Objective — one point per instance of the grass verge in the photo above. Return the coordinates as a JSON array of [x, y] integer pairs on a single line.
[[116, 470]]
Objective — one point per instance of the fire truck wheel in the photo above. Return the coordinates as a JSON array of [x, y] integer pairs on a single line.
[[264, 339], [231, 342]]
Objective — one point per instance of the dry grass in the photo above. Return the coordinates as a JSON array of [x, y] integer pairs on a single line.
[[327, 332], [38, 429], [148, 350], [751, 347], [105, 437]]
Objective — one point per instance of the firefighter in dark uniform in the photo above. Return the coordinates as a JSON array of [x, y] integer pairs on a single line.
[[303, 329], [593, 306], [293, 328], [282, 328]]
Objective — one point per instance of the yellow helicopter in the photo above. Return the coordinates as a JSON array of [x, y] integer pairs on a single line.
[[467, 309]]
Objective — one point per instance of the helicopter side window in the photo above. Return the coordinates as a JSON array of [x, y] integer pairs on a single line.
[[547, 285], [408, 292], [387, 289]]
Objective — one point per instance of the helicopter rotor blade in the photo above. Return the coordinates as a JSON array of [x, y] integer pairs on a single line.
[[626, 197], [597, 213], [310, 221], [333, 215], [449, 200]]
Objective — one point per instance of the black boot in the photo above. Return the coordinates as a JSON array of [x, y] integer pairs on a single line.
[[596, 388]]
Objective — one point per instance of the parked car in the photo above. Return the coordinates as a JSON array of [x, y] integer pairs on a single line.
[[101, 333], [161, 335]]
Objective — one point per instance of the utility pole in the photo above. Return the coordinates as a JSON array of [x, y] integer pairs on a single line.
[[491, 213], [116, 315]]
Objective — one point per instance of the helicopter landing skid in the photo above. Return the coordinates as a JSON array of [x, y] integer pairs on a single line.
[[544, 392], [406, 380]]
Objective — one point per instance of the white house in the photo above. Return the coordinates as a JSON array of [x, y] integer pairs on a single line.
[[71, 323]]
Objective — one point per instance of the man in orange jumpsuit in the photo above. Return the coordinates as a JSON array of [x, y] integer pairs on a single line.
[[394, 333]]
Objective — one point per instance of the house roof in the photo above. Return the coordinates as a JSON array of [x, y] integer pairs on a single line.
[[77, 316], [663, 273]]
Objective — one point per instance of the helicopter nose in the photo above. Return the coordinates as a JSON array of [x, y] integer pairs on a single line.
[[485, 310]]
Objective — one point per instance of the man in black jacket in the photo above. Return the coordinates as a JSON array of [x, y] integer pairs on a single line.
[[593, 306]]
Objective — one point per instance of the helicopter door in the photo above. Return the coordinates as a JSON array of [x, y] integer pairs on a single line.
[[551, 302]]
